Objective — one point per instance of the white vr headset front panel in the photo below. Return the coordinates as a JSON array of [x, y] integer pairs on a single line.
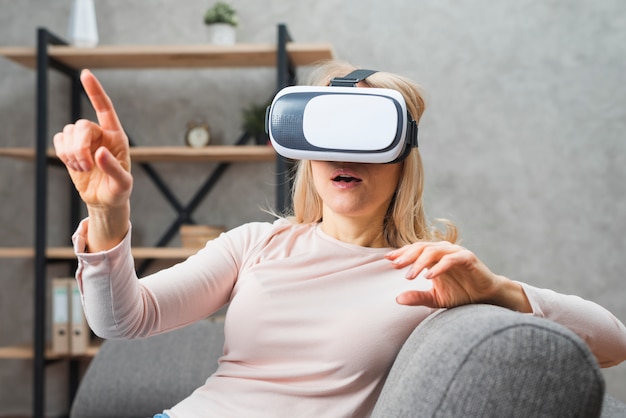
[[357, 122], [367, 125]]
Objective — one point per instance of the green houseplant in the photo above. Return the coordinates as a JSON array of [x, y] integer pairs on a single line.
[[254, 122], [221, 12], [221, 20]]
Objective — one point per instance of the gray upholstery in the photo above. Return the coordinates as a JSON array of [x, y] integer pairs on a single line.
[[139, 378], [472, 361], [485, 361]]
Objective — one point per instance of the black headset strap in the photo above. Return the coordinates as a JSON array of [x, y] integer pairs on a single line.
[[351, 79]]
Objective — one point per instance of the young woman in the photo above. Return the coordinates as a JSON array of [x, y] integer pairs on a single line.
[[320, 302]]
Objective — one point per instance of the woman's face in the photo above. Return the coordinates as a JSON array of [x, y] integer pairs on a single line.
[[354, 189]]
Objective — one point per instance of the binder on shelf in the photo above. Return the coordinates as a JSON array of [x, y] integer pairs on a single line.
[[79, 337], [60, 316], [69, 327]]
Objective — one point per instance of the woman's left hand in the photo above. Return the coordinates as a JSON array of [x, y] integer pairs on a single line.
[[458, 278]]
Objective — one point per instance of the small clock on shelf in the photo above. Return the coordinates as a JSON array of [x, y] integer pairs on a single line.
[[198, 134]]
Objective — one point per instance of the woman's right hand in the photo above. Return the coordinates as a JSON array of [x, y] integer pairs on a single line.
[[97, 157], [97, 154]]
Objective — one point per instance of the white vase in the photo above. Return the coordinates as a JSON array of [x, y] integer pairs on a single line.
[[221, 33], [82, 29]]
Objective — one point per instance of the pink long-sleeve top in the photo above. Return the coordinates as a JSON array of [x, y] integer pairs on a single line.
[[312, 326]]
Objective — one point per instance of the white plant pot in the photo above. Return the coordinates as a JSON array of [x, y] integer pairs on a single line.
[[82, 28], [221, 33]]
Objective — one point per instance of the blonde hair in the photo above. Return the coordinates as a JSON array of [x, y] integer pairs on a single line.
[[405, 221]]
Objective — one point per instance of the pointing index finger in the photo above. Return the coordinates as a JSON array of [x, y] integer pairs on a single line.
[[107, 118]]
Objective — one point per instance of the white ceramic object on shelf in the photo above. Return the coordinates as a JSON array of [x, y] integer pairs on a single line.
[[221, 33], [83, 29]]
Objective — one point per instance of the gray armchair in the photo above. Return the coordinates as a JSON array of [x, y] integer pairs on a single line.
[[471, 361]]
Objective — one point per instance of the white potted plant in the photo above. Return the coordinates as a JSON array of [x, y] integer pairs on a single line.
[[221, 21]]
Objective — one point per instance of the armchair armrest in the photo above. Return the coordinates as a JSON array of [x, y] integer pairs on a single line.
[[487, 361]]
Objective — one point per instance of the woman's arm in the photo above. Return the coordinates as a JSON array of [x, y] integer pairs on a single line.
[[601, 330], [460, 278], [119, 305]]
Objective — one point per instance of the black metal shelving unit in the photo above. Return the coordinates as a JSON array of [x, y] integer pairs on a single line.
[[286, 75], [44, 64]]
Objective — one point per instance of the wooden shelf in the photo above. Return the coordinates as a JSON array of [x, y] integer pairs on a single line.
[[67, 253], [172, 56], [222, 153], [25, 352]]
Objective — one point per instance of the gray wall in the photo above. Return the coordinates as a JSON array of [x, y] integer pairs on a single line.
[[523, 142]]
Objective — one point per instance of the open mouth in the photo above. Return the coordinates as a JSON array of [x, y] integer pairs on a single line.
[[345, 178]]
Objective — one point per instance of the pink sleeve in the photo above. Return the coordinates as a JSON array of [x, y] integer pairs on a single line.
[[119, 305], [601, 330]]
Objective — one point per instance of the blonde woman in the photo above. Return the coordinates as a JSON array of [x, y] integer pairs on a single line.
[[320, 301]]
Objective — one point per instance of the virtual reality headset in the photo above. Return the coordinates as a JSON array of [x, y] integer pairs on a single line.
[[341, 123]]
